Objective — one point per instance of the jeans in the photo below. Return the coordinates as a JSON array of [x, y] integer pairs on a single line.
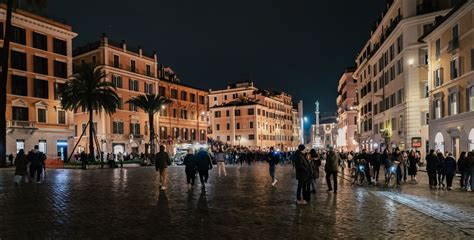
[[191, 178], [328, 180], [272, 172], [432, 178], [38, 169], [441, 177], [203, 176], [303, 186], [449, 179]]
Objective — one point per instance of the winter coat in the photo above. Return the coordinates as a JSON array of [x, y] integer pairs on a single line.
[[272, 159], [449, 165], [21, 164], [203, 161], [36, 158], [190, 163], [332, 162], [432, 162], [412, 165], [303, 170], [376, 159], [162, 159]]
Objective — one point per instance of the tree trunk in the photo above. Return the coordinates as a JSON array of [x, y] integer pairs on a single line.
[[152, 133], [3, 84], [91, 134]]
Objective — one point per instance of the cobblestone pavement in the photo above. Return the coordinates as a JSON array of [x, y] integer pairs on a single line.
[[127, 204]]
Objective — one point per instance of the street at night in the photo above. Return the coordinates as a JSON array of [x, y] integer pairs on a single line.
[[127, 204]]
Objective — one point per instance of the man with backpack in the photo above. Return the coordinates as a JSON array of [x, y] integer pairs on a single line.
[[273, 160]]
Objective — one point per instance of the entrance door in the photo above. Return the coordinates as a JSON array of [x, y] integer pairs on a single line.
[[61, 146], [455, 149]]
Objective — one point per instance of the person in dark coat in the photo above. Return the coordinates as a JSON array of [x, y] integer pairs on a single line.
[[377, 161], [331, 168], [469, 168], [412, 165], [303, 175], [450, 170], [272, 162], [162, 160], [432, 163], [36, 159], [21, 170], [462, 169], [190, 168], [83, 160], [441, 170], [204, 164]]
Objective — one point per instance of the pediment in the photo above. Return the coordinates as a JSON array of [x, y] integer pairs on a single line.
[[19, 103]]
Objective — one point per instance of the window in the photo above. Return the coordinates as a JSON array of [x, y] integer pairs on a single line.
[[20, 114], [117, 127], [41, 115], [1, 30], [133, 67], [18, 35], [218, 127], [455, 68], [426, 91], [228, 126], [217, 114], [438, 49], [148, 70], [148, 88], [42, 146], [201, 99], [453, 104], [237, 112], [133, 85], [60, 69], [135, 128], [438, 77], [400, 44], [470, 101], [251, 125], [175, 113], [59, 46], [58, 89], [426, 116], [184, 114], [61, 117], [399, 66], [41, 89], [392, 52], [184, 96], [18, 60], [94, 60], [132, 107], [117, 81], [437, 108], [472, 59], [228, 138], [40, 65], [456, 33], [116, 61], [251, 137], [120, 104], [40, 41], [251, 111], [237, 125], [192, 97], [19, 85], [161, 91], [174, 93]]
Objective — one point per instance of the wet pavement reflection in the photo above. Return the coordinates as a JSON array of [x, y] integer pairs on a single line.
[[127, 203]]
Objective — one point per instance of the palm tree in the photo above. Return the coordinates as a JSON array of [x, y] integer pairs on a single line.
[[4, 56], [87, 90], [151, 104]]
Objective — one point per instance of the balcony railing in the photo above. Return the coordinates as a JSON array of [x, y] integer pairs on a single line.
[[21, 124], [453, 45]]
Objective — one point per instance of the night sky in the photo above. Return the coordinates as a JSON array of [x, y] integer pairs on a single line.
[[299, 46]]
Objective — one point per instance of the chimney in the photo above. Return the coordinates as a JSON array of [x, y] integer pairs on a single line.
[[124, 46], [140, 51], [103, 39]]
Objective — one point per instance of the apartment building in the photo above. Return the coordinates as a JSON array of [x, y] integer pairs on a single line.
[[451, 80], [40, 63], [135, 72], [392, 76], [244, 115], [347, 112]]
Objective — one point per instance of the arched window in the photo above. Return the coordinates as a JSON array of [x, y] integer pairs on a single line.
[[439, 142]]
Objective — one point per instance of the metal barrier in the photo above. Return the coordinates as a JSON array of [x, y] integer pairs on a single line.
[[54, 162]]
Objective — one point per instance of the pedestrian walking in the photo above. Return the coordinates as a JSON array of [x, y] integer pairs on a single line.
[[469, 168], [303, 175], [162, 160], [376, 161], [450, 170], [412, 165], [220, 158], [272, 160], [432, 163], [315, 163], [21, 170], [332, 161], [120, 159], [204, 164], [441, 170], [36, 159], [190, 168], [462, 169], [83, 160]]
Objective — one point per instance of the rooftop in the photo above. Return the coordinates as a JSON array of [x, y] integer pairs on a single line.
[[40, 15]]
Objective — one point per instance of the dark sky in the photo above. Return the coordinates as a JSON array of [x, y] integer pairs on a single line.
[[298, 46]]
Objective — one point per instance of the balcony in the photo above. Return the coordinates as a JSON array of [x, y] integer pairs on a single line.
[[453, 45], [21, 124]]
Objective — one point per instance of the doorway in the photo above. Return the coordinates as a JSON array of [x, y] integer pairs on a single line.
[[61, 146]]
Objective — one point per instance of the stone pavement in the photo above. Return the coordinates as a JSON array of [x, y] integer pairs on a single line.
[[127, 204]]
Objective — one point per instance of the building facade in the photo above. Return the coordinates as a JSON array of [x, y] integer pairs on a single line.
[[347, 112], [40, 63], [243, 115], [392, 77], [134, 72], [451, 80]]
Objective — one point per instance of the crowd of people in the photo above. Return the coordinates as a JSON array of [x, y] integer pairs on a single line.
[[30, 167]]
